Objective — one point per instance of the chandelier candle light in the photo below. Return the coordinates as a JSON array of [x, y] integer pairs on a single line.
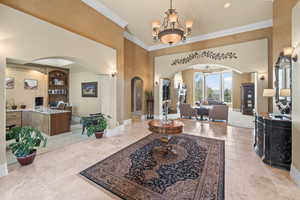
[[171, 31]]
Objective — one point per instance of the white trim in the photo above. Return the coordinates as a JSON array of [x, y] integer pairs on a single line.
[[144, 117], [102, 9], [135, 40], [114, 131], [295, 174], [226, 32], [75, 118], [158, 117], [3, 170], [127, 122]]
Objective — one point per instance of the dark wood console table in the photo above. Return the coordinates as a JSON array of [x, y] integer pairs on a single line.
[[273, 140]]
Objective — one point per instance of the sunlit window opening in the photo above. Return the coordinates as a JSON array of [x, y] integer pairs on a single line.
[[213, 86]]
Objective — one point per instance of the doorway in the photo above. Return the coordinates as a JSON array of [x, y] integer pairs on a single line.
[[137, 85]]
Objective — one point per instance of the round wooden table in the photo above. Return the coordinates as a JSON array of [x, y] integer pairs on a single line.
[[175, 127]]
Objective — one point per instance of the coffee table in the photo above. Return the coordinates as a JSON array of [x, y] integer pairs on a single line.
[[175, 127]]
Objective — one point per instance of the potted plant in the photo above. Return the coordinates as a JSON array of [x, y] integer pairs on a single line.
[[27, 140], [98, 125]]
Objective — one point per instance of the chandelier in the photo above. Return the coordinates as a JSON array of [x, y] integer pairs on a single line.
[[171, 31]]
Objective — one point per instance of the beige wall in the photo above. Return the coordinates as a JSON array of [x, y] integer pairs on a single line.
[[22, 96], [46, 40], [73, 15], [188, 80], [261, 102], [136, 65], [296, 90], [83, 106], [79, 18], [104, 103]]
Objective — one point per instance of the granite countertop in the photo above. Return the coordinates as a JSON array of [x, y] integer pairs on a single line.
[[46, 111]]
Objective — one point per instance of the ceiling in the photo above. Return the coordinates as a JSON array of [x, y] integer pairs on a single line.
[[208, 15], [56, 62]]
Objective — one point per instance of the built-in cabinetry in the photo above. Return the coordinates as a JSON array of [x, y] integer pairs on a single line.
[[273, 140], [14, 119], [58, 86], [247, 98], [49, 122]]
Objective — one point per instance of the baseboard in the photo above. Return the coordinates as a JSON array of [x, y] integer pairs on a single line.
[[127, 121], [75, 118], [295, 174], [236, 109], [3, 170], [144, 117], [114, 131], [157, 117]]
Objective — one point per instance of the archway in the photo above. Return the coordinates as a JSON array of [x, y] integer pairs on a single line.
[[96, 58], [137, 86]]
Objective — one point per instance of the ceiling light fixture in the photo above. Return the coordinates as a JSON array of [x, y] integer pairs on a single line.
[[171, 31], [227, 5]]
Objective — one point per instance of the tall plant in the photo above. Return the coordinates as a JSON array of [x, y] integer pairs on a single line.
[[27, 139]]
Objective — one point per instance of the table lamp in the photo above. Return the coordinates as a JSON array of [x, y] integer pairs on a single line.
[[285, 92], [269, 93]]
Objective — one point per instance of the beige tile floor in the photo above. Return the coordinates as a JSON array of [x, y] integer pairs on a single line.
[[54, 175]]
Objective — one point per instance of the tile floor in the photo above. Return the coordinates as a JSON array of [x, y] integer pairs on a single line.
[[54, 175]]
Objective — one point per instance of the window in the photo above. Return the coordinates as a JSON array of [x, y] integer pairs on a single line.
[[199, 83], [213, 89], [216, 86], [227, 87]]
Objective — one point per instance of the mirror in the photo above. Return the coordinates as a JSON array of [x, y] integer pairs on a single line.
[[283, 84]]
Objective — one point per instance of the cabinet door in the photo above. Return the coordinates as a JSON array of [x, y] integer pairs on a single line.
[[60, 123], [13, 118], [26, 118]]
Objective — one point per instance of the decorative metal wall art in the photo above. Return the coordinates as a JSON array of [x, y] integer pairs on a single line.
[[201, 54]]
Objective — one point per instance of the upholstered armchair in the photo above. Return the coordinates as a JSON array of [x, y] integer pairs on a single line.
[[218, 112], [187, 111]]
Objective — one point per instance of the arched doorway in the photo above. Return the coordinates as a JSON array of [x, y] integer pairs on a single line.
[[137, 85]]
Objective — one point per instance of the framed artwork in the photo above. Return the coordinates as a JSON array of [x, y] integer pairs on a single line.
[[89, 89], [9, 83], [30, 84]]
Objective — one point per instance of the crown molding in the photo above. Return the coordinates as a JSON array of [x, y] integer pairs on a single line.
[[102, 9], [135, 40], [226, 32]]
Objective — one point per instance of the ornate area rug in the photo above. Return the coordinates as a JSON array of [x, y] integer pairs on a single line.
[[141, 172]]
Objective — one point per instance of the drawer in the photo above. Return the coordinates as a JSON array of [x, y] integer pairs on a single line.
[[13, 118], [16, 122], [13, 115]]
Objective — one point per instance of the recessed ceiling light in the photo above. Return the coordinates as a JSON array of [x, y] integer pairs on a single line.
[[227, 5]]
